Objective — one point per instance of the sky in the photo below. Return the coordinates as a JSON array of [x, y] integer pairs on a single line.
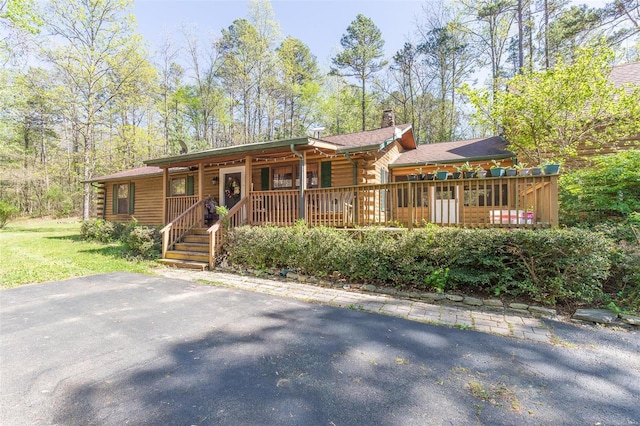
[[318, 23]]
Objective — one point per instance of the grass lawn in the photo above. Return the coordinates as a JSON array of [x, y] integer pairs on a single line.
[[39, 250]]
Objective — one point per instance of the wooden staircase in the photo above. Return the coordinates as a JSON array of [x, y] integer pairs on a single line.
[[191, 252]]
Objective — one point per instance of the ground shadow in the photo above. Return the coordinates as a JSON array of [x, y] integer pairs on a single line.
[[319, 365]]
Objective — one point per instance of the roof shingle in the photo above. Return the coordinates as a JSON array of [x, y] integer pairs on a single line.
[[457, 151], [625, 74], [368, 137]]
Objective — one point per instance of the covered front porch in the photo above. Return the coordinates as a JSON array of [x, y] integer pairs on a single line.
[[507, 202]]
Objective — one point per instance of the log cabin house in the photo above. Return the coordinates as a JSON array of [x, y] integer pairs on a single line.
[[372, 178]]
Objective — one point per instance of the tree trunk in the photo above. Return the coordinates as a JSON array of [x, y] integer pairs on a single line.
[[364, 105], [520, 39]]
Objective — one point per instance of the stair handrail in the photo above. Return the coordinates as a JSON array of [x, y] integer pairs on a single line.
[[178, 228], [216, 232]]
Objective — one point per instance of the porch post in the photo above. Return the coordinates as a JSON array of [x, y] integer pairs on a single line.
[[247, 185], [200, 181], [553, 201], [410, 206], [303, 184], [165, 182]]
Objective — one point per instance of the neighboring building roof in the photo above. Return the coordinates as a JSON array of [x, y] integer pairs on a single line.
[[625, 74], [454, 152], [372, 139], [147, 171]]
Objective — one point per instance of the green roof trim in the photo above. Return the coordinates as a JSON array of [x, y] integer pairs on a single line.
[[228, 150]]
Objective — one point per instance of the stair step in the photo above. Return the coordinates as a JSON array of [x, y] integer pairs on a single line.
[[184, 264], [201, 239], [188, 255], [193, 246], [198, 231]]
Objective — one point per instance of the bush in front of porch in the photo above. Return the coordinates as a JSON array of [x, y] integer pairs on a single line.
[[140, 241], [552, 266]]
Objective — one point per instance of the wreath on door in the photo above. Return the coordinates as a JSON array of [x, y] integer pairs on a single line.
[[232, 188]]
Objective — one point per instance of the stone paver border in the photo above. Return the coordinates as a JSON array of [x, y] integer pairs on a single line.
[[500, 323]]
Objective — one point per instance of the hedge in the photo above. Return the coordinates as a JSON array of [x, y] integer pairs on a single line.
[[552, 266]]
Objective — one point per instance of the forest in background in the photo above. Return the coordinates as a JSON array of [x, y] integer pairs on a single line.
[[82, 96]]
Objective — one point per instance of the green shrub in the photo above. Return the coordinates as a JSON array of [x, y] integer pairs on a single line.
[[144, 242], [623, 284], [7, 211], [550, 266], [607, 191], [106, 232], [101, 230]]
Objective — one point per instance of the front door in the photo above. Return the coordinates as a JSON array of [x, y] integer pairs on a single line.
[[232, 189], [445, 204]]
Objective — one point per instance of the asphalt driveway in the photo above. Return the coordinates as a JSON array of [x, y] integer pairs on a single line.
[[125, 348]]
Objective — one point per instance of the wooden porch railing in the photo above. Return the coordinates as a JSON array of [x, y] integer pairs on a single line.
[[178, 205], [509, 202], [274, 207], [333, 206], [237, 216], [177, 228]]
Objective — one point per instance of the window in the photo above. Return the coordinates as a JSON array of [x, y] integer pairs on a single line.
[[178, 186], [312, 175], [283, 177], [181, 186], [288, 177], [123, 198]]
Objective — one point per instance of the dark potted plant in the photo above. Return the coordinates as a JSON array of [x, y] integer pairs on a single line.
[[467, 170], [412, 176], [421, 175]]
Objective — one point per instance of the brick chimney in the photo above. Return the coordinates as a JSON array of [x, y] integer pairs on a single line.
[[388, 118]]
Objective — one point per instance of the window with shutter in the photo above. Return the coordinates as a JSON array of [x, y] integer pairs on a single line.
[[121, 195], [178, 187]]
